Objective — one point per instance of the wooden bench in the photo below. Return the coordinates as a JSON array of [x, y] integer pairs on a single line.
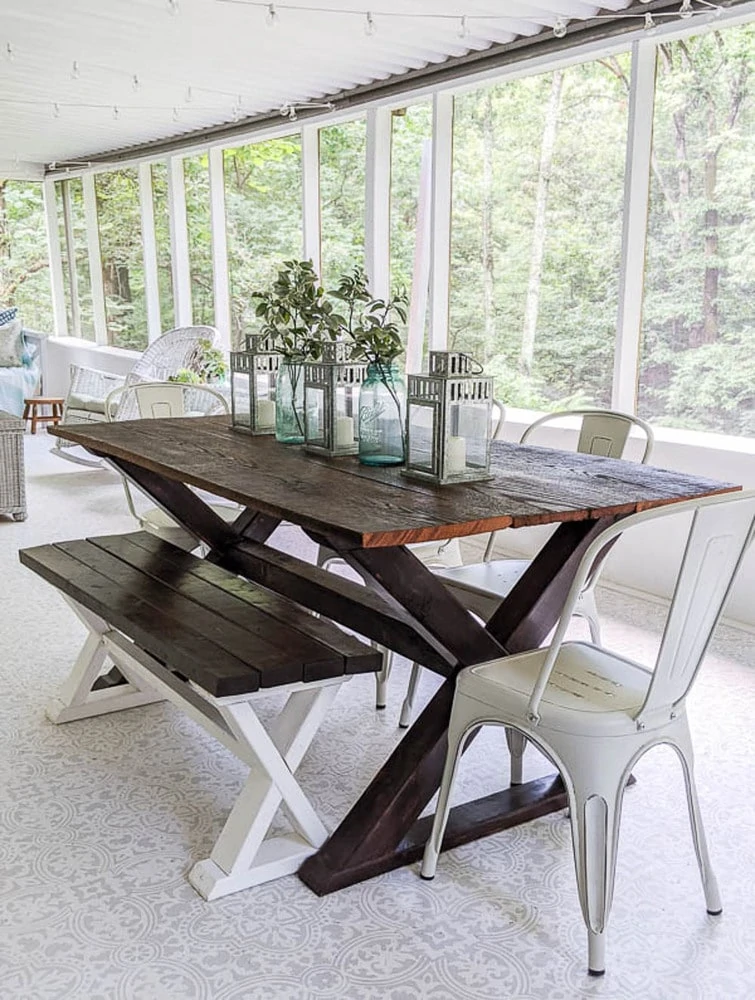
[[180, 628]]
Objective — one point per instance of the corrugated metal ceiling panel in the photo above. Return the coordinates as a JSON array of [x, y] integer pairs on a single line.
[[86, 76]]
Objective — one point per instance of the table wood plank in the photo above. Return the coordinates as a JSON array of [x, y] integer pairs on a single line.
[[380, 507]]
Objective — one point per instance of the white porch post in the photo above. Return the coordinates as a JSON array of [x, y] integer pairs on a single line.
[[377, 215], [440, 219], [220, 277], [421, 269], [635, 226], [179, 242], [56, 262], [95, 259], [149, 243], [310, 188]]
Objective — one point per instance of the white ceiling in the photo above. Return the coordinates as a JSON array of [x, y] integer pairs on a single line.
[[192, 66]]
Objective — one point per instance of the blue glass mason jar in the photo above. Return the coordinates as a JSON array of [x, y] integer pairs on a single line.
[[382, 416], [289, 403]]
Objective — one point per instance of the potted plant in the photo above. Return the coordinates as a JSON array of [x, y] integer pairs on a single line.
[[296, 314], [208, 366], [373, 327]]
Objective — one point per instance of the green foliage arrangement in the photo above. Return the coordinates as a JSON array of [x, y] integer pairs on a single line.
[[296, 313], [371, 324]]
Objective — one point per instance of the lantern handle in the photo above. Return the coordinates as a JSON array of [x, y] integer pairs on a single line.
[[478, 368]]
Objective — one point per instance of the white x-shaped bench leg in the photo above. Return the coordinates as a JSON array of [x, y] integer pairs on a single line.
[[242, 856], [77, 697]]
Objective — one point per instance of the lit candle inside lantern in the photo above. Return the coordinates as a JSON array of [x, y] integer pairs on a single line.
[[265, 413], [344, 432], [456, 455]]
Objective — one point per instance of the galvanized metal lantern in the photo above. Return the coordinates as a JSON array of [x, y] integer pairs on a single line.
[[331, 401], [253, 376], [448, 421]]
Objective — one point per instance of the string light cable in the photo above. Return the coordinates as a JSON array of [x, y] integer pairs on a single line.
[[370, 19], [465, 22]]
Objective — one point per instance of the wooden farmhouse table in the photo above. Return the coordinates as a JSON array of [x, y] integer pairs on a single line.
[[369, 517]]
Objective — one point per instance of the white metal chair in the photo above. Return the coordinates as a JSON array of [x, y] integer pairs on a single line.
[[89, 388], [148, 400], [594, 713], [445, 553], [482, 586]]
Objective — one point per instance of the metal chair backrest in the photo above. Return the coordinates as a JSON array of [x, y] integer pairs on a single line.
[[172, 351], [721, 529], [152, 400], [601, 432]]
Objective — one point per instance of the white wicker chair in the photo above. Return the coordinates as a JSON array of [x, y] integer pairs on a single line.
[[151, 400], [90, 388]]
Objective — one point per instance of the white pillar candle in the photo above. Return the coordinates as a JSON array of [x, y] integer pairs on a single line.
[[344, 432], [456, 455], [265, 413]]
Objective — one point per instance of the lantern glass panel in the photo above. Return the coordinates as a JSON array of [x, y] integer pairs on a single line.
[[468, 435], [345, 429], [241, 400], [315, 416], [265, 401], [423, 432]]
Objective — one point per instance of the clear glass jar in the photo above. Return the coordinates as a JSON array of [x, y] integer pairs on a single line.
[[382, 413], [289, 403]]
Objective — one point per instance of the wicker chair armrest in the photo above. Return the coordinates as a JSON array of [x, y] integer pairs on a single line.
[[91, 382]]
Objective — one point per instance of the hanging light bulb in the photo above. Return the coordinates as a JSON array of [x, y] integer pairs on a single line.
[[463, 27], [559, 28], [75, 70], [686, 10], [116, 112], [271, 18], [135, 82], [369, 24], [10, 52]]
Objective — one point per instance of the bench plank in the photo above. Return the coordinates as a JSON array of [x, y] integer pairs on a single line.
[[229, 636], [228, 621], [249, 647], [357, 657], [153, 630]]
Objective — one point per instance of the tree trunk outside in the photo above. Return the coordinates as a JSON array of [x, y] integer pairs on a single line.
[[709, 333], [532, 305], [488, 304]]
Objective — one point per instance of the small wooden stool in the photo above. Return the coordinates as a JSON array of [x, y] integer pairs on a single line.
[[33, 407]]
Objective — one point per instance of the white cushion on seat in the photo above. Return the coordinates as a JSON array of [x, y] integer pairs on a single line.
[[80, 401]]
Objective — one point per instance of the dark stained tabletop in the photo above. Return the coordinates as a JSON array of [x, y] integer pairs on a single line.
[[380, 507]]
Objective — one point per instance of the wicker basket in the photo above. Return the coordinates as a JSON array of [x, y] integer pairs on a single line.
[[12, 483]]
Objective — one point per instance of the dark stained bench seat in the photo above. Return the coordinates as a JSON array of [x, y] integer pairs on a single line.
[[224, 633]]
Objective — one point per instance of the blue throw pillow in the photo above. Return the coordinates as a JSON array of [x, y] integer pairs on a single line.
[[6, 315]]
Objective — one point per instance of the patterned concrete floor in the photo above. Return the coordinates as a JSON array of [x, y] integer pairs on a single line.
[[101, 820]]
